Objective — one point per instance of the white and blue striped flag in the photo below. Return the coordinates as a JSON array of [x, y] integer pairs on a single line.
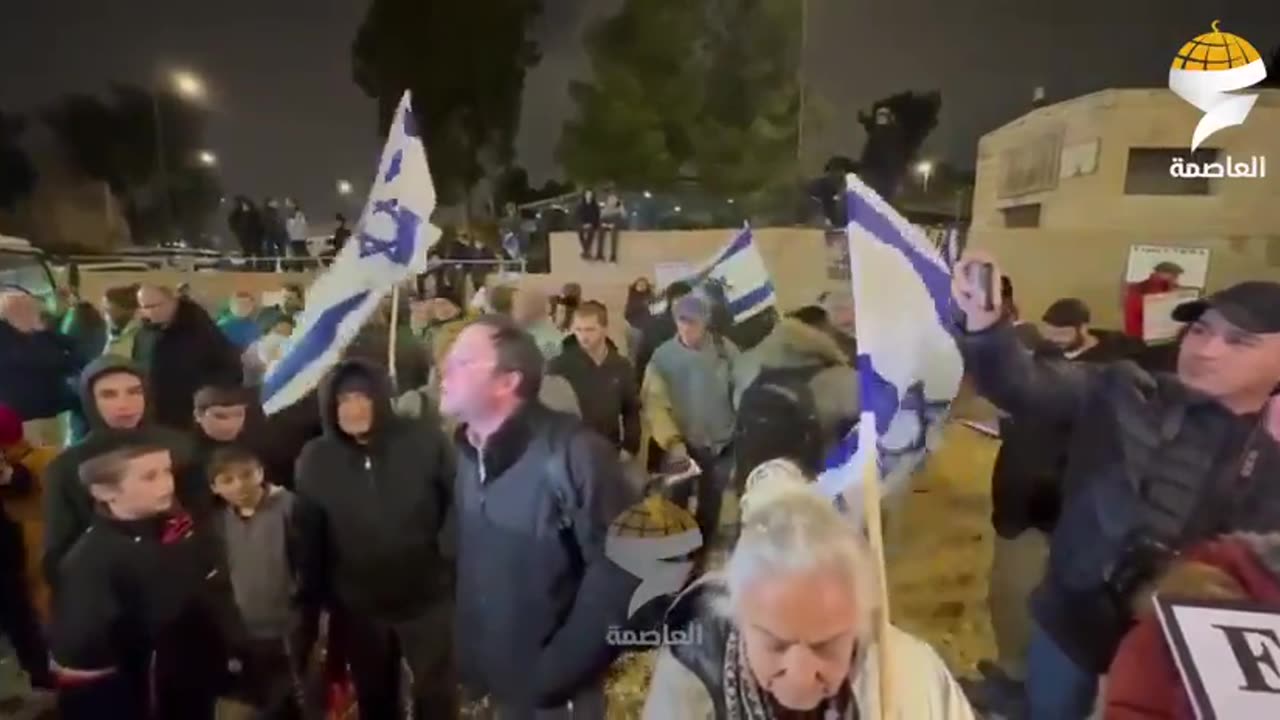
[[738, 273], [390, 245], [909, 364]]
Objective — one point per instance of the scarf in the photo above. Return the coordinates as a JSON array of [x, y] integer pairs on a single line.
[[746, 700]]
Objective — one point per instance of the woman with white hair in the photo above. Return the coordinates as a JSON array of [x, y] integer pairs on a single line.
[[787, 630]]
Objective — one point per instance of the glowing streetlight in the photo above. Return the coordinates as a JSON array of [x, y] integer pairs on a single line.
[[648, 195], [188, 85], [207, 158], [677, 208], [345, 188], [924, 169]]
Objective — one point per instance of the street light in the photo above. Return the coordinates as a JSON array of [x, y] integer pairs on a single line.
[[187, 84], [207, 158], [345, 188], [924, 169]]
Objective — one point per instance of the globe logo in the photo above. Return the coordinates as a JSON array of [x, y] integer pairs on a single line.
[[652, 540], [1207, 70]]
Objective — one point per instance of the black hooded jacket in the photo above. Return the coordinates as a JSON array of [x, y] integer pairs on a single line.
[[607, 393], [182, 357], [370, 516], [68, 507]]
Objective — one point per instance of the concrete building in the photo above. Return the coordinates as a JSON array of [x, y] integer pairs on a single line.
[[1063, 192]]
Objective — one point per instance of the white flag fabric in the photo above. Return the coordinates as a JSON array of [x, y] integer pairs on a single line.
[[389, 245], [738, 273], [909, 364]]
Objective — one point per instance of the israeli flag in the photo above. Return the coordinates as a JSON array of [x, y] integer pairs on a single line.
[[909, 364], [390, 245], [735, 276]]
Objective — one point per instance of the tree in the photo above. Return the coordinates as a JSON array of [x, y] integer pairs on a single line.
[[634, 121], [465, 62], [17, 175], [688, 91], [897, 127], [151, 169]]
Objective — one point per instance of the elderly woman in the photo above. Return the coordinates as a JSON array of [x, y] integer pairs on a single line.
[[787, 630]]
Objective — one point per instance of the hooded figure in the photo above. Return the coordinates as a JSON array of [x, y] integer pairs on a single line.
[[373, 494], [68, 507]]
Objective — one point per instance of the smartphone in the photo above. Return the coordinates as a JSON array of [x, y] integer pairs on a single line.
[[987, 281]]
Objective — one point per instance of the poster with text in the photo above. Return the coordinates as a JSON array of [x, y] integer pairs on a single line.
[[1193, 261], [1228, 654]]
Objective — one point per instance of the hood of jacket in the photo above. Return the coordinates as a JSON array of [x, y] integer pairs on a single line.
[[379, 387], [793, 344], [107, 365]]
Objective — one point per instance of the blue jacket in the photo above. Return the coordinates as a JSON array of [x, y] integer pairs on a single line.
[[242, 332], [36, 372]]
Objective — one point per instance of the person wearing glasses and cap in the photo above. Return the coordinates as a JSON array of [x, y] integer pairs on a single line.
[[1157, 463]]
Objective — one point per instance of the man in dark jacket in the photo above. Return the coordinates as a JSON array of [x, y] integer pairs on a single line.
[[37, 364], [114, 398], [1026, 485], [602, 379], [536, 494], [181, 350], [373, 495], [1156, 463]]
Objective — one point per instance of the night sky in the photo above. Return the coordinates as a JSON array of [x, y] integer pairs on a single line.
[[288, 120]]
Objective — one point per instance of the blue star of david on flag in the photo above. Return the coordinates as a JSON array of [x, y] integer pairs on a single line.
[[390, 246]]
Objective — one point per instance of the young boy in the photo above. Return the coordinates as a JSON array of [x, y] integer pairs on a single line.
[[221, 412], [144, 617], [256, 531]]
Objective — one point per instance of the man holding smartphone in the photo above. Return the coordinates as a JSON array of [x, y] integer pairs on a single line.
[[1156, 463]]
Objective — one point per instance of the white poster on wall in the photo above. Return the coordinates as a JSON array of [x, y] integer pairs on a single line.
[[1193, 261], [1158, 324]]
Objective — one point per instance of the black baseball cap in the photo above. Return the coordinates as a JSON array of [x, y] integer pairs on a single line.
[[1252, 306], [1067, 313]]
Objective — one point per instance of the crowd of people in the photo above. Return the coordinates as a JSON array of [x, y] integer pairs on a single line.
[[444, 527], [279, 229]]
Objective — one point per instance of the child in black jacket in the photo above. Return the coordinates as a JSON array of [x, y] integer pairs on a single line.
[[144, 619]]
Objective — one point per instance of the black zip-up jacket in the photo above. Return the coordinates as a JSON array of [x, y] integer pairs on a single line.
[[152, 600], [68, 507], [1027, 477], [607, 394], [182, 357], [1149, 460], [370, 517], [536, 595]]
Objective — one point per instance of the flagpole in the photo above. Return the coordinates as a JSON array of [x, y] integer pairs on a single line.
[[871, 508], [393, 333]]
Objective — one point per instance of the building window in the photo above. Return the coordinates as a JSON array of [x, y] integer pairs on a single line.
[[1148, 171], [1022, 216]]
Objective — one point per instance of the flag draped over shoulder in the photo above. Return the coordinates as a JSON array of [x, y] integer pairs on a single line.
[[736, 275], [909, 364], [389, 245]]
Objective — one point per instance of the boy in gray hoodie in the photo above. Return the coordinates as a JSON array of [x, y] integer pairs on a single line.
[[256, 530]]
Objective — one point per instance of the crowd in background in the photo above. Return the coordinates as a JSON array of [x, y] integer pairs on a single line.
[[451, 516]]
